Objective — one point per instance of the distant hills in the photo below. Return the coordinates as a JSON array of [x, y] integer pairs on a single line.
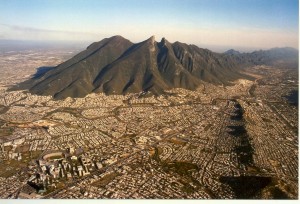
[[117, 66], [278, 57]]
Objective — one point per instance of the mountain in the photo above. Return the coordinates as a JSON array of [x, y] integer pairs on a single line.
[[117, 66], [232, 52], [278, 57], [75, 77]]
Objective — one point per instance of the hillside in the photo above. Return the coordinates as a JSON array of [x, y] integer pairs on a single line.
[[117, 66]]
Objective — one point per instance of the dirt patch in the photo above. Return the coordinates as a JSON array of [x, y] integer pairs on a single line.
[[105, 180]]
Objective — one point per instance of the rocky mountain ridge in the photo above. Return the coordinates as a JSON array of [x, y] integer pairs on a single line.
[[117, 66]]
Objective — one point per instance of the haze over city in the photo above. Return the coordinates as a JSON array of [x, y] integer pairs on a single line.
[[215, 24]]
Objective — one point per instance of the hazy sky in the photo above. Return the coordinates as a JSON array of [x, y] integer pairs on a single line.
[[223, 23]]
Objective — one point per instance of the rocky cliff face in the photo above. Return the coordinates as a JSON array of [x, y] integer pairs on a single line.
[[117, 66]]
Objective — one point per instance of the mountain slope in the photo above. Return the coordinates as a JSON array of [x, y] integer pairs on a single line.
[[75, 77], [134, 71], [206, 65], [117, 66], [278, 57]]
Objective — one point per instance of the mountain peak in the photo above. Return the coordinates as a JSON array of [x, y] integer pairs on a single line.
[[117, 36], [232, 52], [117, 66], [151, 39], [163, 41]]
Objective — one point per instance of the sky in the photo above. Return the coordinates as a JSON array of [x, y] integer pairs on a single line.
[[206, 23]]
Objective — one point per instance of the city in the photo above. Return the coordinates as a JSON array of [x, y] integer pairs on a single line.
[[182, 144]]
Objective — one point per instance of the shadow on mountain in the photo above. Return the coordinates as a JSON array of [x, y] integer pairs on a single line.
[[41, 71]]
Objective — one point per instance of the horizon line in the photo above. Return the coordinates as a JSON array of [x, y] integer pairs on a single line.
[[211, 47]]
